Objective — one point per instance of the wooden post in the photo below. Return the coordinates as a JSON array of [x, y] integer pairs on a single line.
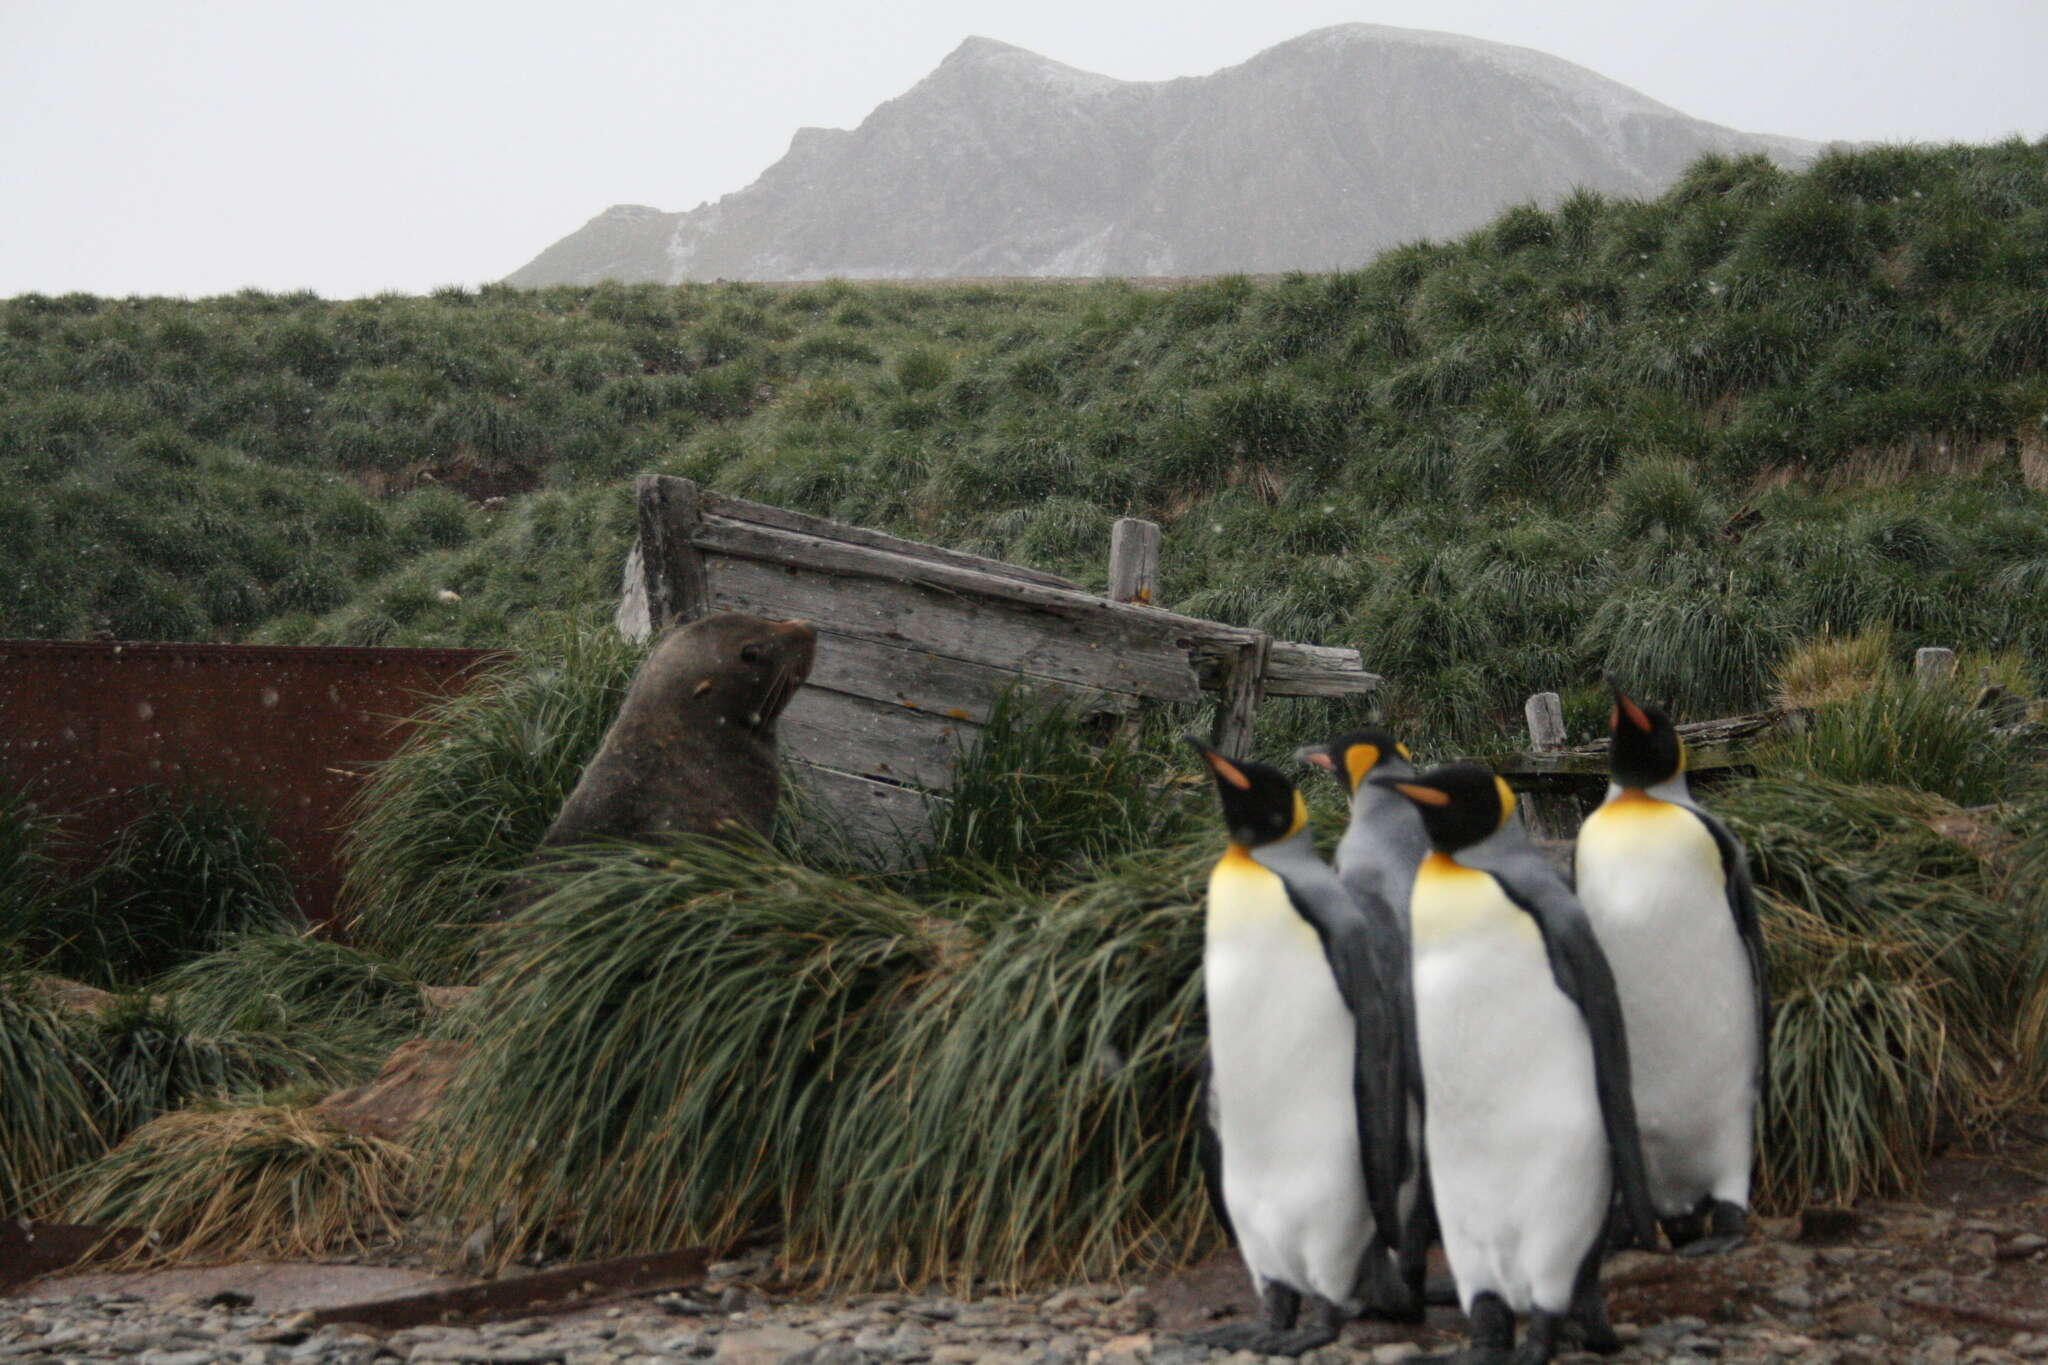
[[1548, 815], [1244, 683], [1134, 561], [1934, 664], [671, 564]]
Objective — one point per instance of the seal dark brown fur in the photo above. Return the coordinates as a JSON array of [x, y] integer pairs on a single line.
[[693, 748]]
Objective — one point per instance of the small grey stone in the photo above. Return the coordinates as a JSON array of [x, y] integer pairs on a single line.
[[1795, 1296], [178, 1357]]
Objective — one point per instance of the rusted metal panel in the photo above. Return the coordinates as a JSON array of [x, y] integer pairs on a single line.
[[566, 1290], [289, 730], [29, 1250]]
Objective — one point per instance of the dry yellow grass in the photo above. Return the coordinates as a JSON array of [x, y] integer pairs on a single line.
[[258, 1181]]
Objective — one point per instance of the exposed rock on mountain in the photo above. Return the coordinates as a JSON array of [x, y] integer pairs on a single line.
[[1315, 154]]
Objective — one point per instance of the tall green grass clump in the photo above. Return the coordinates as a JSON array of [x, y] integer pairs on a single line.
[[51, 1107], [669, 1037], [1901, 976], [1047, 788], [343, 1006], [1901, 731], [192, 870], [438, 827], [29, 888]]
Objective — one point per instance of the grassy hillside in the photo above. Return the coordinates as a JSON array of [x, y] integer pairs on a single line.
[[1668, 438]]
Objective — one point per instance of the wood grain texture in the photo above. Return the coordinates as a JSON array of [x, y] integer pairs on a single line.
[[1086, 648], [872, 738], [890, 822], [761, 514], [903, 675]]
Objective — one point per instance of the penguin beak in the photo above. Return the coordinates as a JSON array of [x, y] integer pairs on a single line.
[[1308, 755], [1417, 792], [1225, 770], [1623, 706]]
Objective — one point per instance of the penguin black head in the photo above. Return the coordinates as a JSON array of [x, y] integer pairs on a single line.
[[1352, 756], [1646, 749], [1461, 803], [1260, 806]]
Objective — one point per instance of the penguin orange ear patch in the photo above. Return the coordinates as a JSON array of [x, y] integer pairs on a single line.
[[1428, 796], [1228, 771]]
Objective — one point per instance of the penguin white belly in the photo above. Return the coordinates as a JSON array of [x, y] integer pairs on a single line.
[[1516, 1143], [1651, 879], [1281, 1042]]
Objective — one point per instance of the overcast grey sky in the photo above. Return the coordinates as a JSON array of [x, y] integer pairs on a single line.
[[199, 146]]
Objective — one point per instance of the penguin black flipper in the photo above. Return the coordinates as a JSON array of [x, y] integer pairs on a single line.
[[1742, 905], [1581, 971], [1372, 980], [1209, 1149]]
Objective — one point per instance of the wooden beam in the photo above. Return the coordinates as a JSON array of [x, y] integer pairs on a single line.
[[1294, 670], [1548, 814], [879, 818], [1243, 686], [669, 558], [781, 518], [1064, 642], [1134, 561], [917, 679], [1934, 664], [739, 540], [873, 738]]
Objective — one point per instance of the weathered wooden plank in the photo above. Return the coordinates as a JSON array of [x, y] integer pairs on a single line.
[[1077, 647], [1134, 560], [1294, 670], [890, 821], [781, 518], [1548, 814], [633, 620], [789, 549], [673, 565], [1242, 689], [872, 738], [922, 681]]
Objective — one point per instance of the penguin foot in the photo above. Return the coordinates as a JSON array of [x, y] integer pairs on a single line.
[[1387, 1297], [1264, 1341], [1727, 1227], [1713, 1246], [1440, 1291]]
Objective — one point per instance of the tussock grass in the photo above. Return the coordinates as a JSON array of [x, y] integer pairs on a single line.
[[675, 1031], [438, 826], [705, 1039], [1900, 732], [50, 1104], [1031, 1115], [226, 1184], [1048, 788], [343, 1006], [1831, 669], [1902, 972], [193, 869], [150, 1061]]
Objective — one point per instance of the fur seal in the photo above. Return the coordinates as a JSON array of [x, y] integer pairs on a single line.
[[692, 750]]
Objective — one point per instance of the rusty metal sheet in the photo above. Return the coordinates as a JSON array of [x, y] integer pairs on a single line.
[[287, 729], [565, 1290], [30, 1250]]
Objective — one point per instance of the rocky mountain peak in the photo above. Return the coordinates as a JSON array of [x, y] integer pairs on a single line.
[[1314, 154]]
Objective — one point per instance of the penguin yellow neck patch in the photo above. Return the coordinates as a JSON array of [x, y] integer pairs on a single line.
[[1451, 899]]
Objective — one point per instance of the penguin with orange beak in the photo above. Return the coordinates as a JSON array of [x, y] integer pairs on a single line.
[[1306, 1149], [1668, 890]]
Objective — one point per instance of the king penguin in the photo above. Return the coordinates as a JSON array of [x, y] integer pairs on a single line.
[[1667, 888], [1383, 844], [1529, 1127], [1303, 1099]]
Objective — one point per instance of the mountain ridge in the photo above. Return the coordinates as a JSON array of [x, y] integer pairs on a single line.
[[1315, 153]]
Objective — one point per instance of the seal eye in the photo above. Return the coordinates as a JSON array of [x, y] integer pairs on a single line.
[[750, 654]]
